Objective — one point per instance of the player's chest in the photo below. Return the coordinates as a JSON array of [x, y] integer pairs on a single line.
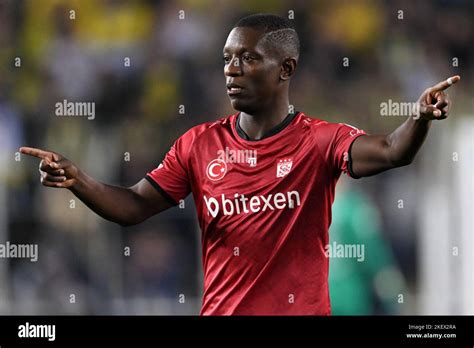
[[232, 168]]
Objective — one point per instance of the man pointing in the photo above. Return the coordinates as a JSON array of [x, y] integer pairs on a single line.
[[264, 221]]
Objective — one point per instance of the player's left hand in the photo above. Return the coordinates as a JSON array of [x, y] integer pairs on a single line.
[[434, 103]]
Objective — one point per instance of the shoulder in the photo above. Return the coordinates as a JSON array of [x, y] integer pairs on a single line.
[[318, 125], [206, 130], [323, 127]]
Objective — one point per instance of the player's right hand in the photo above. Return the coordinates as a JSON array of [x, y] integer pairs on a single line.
[[55, 169]]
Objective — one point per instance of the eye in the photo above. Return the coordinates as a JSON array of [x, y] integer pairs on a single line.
[[247, 58], [226, 59]]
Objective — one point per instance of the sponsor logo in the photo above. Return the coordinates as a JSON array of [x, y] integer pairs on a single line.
[[241, 204], [216, 169], [252, 161]]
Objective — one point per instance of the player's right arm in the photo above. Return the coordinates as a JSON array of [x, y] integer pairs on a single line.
[[123, 205]]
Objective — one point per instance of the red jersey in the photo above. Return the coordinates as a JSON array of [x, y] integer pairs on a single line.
[[264, 209]]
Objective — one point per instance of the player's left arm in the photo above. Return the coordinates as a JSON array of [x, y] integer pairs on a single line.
[[372, 154]]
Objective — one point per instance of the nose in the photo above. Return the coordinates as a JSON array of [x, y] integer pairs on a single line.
[[233, 68]]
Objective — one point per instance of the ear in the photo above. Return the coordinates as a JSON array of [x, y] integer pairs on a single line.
[[288, 68]]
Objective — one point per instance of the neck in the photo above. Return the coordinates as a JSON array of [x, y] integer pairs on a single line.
[[256, 124]]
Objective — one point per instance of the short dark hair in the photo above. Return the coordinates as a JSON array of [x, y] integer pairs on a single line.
[[279, 31]]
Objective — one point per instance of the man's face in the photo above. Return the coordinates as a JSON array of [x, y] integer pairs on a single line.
[[252, 70]]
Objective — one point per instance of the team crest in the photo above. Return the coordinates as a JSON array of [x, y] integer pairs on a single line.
[[284, 167]]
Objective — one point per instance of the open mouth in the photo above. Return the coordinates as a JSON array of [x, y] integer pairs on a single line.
[[233, 89]]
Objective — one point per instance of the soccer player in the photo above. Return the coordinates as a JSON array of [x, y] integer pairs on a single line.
[[264, 219]]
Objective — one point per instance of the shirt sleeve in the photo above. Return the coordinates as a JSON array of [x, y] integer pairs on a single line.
[[171, 177], [342, 141]]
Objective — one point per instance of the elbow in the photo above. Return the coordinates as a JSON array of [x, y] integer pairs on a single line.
[[401, 162], [130, 221], [126, 223]]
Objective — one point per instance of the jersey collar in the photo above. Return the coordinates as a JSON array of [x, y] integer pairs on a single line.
[[278, 128]]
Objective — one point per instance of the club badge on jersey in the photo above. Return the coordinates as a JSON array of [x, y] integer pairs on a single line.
[[284, 167]]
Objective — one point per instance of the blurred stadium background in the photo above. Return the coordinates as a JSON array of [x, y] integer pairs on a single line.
[[415, 222]]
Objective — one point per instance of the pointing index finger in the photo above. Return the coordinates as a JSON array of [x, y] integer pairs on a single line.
[[441, 86], [36, 152]]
